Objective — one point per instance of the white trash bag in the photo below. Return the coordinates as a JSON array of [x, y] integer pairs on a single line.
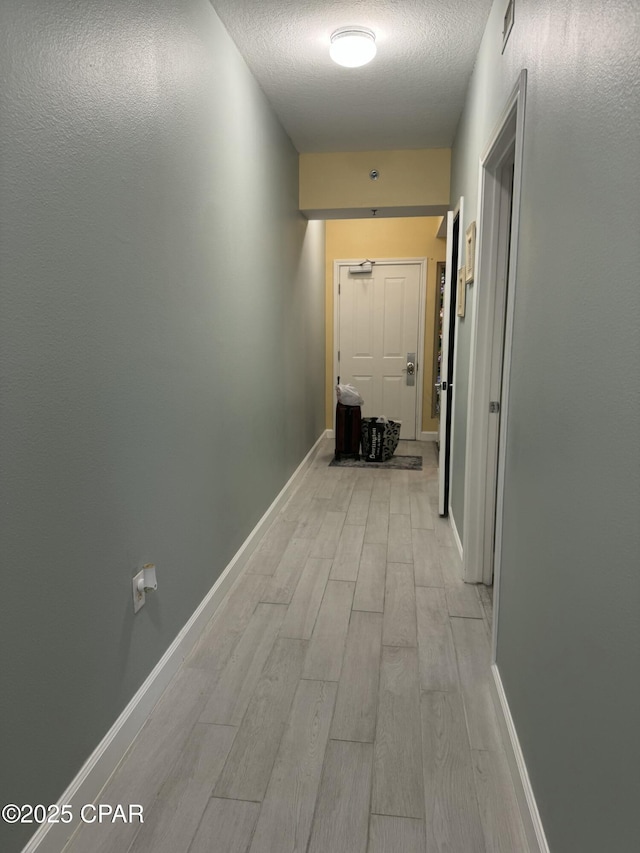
[[348, 395]]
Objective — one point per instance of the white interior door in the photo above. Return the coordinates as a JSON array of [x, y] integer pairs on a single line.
[[378, 340], [443, 438]]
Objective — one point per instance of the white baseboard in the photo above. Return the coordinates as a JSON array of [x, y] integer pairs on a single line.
[[93, 776], [456, 535], [424, 436], [524, 792]]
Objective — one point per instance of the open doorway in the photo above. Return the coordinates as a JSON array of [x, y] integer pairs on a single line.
[[492, 333], [504, 181]]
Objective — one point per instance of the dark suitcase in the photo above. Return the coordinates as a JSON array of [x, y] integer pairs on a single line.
[[348, 430]]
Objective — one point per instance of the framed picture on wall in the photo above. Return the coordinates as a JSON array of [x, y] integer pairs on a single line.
[[462, 292], [507, 24], [470, 254]]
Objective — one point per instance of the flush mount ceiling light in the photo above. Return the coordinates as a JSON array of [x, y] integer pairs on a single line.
[[352, 46]]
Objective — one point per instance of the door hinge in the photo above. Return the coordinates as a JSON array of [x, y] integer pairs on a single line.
[[494, 407], [338, 355], [339, 289]]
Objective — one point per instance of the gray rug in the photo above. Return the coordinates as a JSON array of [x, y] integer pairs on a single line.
[[396, 463]]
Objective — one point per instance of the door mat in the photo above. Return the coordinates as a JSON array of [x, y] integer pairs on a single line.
[[396, 463]]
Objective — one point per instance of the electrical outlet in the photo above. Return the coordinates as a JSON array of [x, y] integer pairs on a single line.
[[139, 597], [144, 582]]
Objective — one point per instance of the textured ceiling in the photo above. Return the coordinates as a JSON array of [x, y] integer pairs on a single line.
[[410, 96]]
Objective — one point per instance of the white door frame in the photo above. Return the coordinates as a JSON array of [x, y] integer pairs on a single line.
[[509, 132], [337, 264]]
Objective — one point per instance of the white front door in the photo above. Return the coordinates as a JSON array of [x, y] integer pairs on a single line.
[[378, 332]]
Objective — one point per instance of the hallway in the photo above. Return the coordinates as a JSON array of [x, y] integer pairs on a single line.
[[338, 702]]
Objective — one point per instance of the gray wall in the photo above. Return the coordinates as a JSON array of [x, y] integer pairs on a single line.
[[569, 627], [162, 335]]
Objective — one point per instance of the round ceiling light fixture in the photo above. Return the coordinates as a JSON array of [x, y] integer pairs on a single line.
[[352, 46]]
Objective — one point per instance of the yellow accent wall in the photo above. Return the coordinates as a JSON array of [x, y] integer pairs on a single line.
[[357, 239], [411, 178]]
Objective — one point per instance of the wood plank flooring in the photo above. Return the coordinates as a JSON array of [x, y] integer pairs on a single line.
[[339, 700]]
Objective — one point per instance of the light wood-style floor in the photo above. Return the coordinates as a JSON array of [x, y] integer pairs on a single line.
[[338, 701]]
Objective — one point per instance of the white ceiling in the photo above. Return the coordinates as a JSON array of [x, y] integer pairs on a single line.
[[410, 96]]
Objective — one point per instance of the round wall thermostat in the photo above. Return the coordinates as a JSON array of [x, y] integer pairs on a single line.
[[374, 174]]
